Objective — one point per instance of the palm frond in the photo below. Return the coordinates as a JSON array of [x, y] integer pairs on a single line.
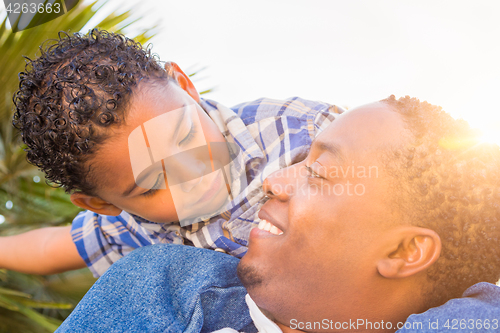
[[30, 303]]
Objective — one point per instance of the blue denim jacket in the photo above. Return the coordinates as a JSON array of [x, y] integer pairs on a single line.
[[176, 288], [477, 311], [165, 288]]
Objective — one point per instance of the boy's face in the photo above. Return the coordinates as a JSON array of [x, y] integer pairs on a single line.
[[157, 165]]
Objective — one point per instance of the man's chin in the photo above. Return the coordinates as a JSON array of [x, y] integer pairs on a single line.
[[249, 275]]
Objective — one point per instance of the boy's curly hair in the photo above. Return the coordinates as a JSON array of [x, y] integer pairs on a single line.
[[449, 182], [71, 94]]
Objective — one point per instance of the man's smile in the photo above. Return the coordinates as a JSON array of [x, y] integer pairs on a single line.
[[267, 225]]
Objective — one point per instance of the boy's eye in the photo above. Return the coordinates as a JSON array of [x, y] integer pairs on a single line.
[[155, 187], [189, 136]]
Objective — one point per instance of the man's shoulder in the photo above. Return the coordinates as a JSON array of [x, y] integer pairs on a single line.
[[478, 310]]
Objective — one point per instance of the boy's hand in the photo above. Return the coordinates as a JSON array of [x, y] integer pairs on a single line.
[[42, 251]]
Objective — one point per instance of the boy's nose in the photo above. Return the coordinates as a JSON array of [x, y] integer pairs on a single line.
[[188, 171]]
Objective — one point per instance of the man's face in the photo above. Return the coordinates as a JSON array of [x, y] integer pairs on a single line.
[[157, 164], [334, 212]]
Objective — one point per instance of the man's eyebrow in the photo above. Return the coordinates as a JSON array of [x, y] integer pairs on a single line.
[[331, 147]]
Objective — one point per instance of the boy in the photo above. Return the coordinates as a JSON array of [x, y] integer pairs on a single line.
[[84, 109]]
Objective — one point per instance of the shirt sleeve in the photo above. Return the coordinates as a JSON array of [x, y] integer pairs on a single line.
[[325, 118], [102, 240]]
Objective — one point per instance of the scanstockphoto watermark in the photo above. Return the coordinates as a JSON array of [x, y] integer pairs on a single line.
[[357, 324], [437, 325], [316, 180]]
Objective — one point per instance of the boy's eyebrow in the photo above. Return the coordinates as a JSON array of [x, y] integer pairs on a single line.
[[129, 190], [133, 186], [179, 121], [139, 180]]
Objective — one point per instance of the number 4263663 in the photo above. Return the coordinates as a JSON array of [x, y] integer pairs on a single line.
[[18, 8]]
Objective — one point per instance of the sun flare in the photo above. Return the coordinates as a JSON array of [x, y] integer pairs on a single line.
[[488, 126]]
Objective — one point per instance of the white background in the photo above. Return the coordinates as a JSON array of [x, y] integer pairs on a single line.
[[345, 52]]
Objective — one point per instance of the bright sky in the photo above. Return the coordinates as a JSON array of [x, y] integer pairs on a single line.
[[345, 52], [348, 52]]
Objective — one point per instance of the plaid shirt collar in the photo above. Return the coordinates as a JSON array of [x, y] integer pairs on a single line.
[[233, 129]]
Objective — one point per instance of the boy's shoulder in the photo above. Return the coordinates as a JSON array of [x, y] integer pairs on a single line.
[[265, 108], [254, 111]]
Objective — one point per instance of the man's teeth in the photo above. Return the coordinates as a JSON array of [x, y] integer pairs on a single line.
[[275, 231], [266, 226]]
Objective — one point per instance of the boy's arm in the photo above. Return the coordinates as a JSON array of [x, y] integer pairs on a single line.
[[42, 251]]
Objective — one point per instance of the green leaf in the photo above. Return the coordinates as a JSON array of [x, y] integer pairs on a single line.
[[5, 291], [112, 21], [39, 304], [31, 303], [206, 91], [50, 324], [8, 304]]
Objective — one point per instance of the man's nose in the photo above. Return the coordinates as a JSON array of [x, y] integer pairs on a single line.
[[281, 184]]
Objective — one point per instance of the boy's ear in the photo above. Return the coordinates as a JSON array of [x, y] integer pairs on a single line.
[[413, 250], [95, 204], [182, 80]]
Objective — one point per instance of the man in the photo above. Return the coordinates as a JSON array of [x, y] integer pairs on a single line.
[[393, 211]]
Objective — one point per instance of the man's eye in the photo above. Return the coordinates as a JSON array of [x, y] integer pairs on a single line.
[[312, 173], [189, 136]]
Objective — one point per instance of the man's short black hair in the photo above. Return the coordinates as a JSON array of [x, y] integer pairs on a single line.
[[71, 94], [449, 181]]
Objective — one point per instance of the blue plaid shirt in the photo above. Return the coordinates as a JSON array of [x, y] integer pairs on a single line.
[[272, 134]]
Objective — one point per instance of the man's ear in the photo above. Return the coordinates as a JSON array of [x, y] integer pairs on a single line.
[[414, 249], [182, 80], [95, 204]]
